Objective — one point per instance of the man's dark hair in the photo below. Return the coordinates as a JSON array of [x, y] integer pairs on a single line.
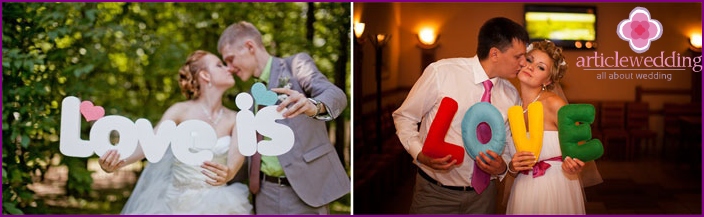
[[499, 32]]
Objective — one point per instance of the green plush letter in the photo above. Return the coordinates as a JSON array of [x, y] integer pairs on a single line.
[[573, 125]]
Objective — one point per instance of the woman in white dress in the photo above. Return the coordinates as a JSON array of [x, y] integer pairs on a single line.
[[172, 187], [554, 188]]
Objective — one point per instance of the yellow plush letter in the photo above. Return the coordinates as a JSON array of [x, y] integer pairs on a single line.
[[518, 128]]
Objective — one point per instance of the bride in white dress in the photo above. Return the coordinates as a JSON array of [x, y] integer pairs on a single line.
[[172, 187], [555, 189]]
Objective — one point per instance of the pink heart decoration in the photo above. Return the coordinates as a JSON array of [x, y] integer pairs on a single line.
[[91, 112]]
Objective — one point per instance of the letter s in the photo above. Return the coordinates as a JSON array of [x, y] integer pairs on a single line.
[[281, 135]]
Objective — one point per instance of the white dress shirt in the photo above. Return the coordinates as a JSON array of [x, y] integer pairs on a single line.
[[460, 79]]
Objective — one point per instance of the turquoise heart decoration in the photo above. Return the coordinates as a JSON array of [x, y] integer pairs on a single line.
[[262, 96]]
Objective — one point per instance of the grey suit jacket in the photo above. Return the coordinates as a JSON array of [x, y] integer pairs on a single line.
[[312, 165]]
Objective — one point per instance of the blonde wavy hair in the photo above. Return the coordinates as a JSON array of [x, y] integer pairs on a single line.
[[188, 74], [559, 65]]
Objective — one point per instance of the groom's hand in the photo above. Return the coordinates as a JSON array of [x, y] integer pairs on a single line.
[[443, 163], [297, 103], [493, 167]]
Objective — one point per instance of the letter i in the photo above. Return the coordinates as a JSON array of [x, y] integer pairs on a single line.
[[246, 131]]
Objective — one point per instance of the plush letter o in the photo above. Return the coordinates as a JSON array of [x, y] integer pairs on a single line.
[[478, 113]]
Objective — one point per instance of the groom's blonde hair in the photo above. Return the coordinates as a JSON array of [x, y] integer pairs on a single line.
[[238, 32]]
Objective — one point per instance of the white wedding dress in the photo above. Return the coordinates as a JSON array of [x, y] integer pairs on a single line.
[[171, 187], [555, 192]]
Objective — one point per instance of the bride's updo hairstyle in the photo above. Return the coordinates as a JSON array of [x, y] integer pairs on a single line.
[[188, 74], [559, 66]]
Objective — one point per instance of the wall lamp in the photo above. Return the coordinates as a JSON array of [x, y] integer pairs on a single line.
[[695, 42], [428, 38], [428, 42]]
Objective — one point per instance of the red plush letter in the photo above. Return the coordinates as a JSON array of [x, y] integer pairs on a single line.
[[435, 145]]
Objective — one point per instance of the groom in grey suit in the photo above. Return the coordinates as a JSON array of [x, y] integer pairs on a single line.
[[310, 176]]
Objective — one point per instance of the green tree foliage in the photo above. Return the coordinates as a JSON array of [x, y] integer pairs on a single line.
[[125, 57]]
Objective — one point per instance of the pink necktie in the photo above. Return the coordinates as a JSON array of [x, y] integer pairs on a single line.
[[480, 179], [483, 130]]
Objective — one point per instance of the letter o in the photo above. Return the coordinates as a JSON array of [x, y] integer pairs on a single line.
[[478, 113], [100, 135]]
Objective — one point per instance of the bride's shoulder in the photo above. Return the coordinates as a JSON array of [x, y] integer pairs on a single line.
[[181, 106], [176, 110], [553, 102]]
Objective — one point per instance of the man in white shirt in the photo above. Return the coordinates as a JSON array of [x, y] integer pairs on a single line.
[[442, 186]]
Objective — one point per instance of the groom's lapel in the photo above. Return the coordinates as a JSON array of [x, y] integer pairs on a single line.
[[277, 67]]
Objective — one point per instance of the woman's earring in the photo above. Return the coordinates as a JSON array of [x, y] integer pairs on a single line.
[[210, 84], [544, 87]]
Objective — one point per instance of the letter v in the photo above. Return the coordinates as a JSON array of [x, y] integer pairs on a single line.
[[154, 144], [518, 128]]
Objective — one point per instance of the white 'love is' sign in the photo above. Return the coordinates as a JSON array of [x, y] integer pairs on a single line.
[[182, 137]]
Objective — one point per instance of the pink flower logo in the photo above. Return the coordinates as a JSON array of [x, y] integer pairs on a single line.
[[639, 30]]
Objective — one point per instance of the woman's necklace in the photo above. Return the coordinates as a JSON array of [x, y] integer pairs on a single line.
[[210, 118], [536, 99]]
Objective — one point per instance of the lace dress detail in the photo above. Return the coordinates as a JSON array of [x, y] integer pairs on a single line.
[[172, 187]]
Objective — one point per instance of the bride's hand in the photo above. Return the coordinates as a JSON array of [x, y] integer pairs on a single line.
[[572, 165], [521, 161], [110, 161], [219, 174]]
